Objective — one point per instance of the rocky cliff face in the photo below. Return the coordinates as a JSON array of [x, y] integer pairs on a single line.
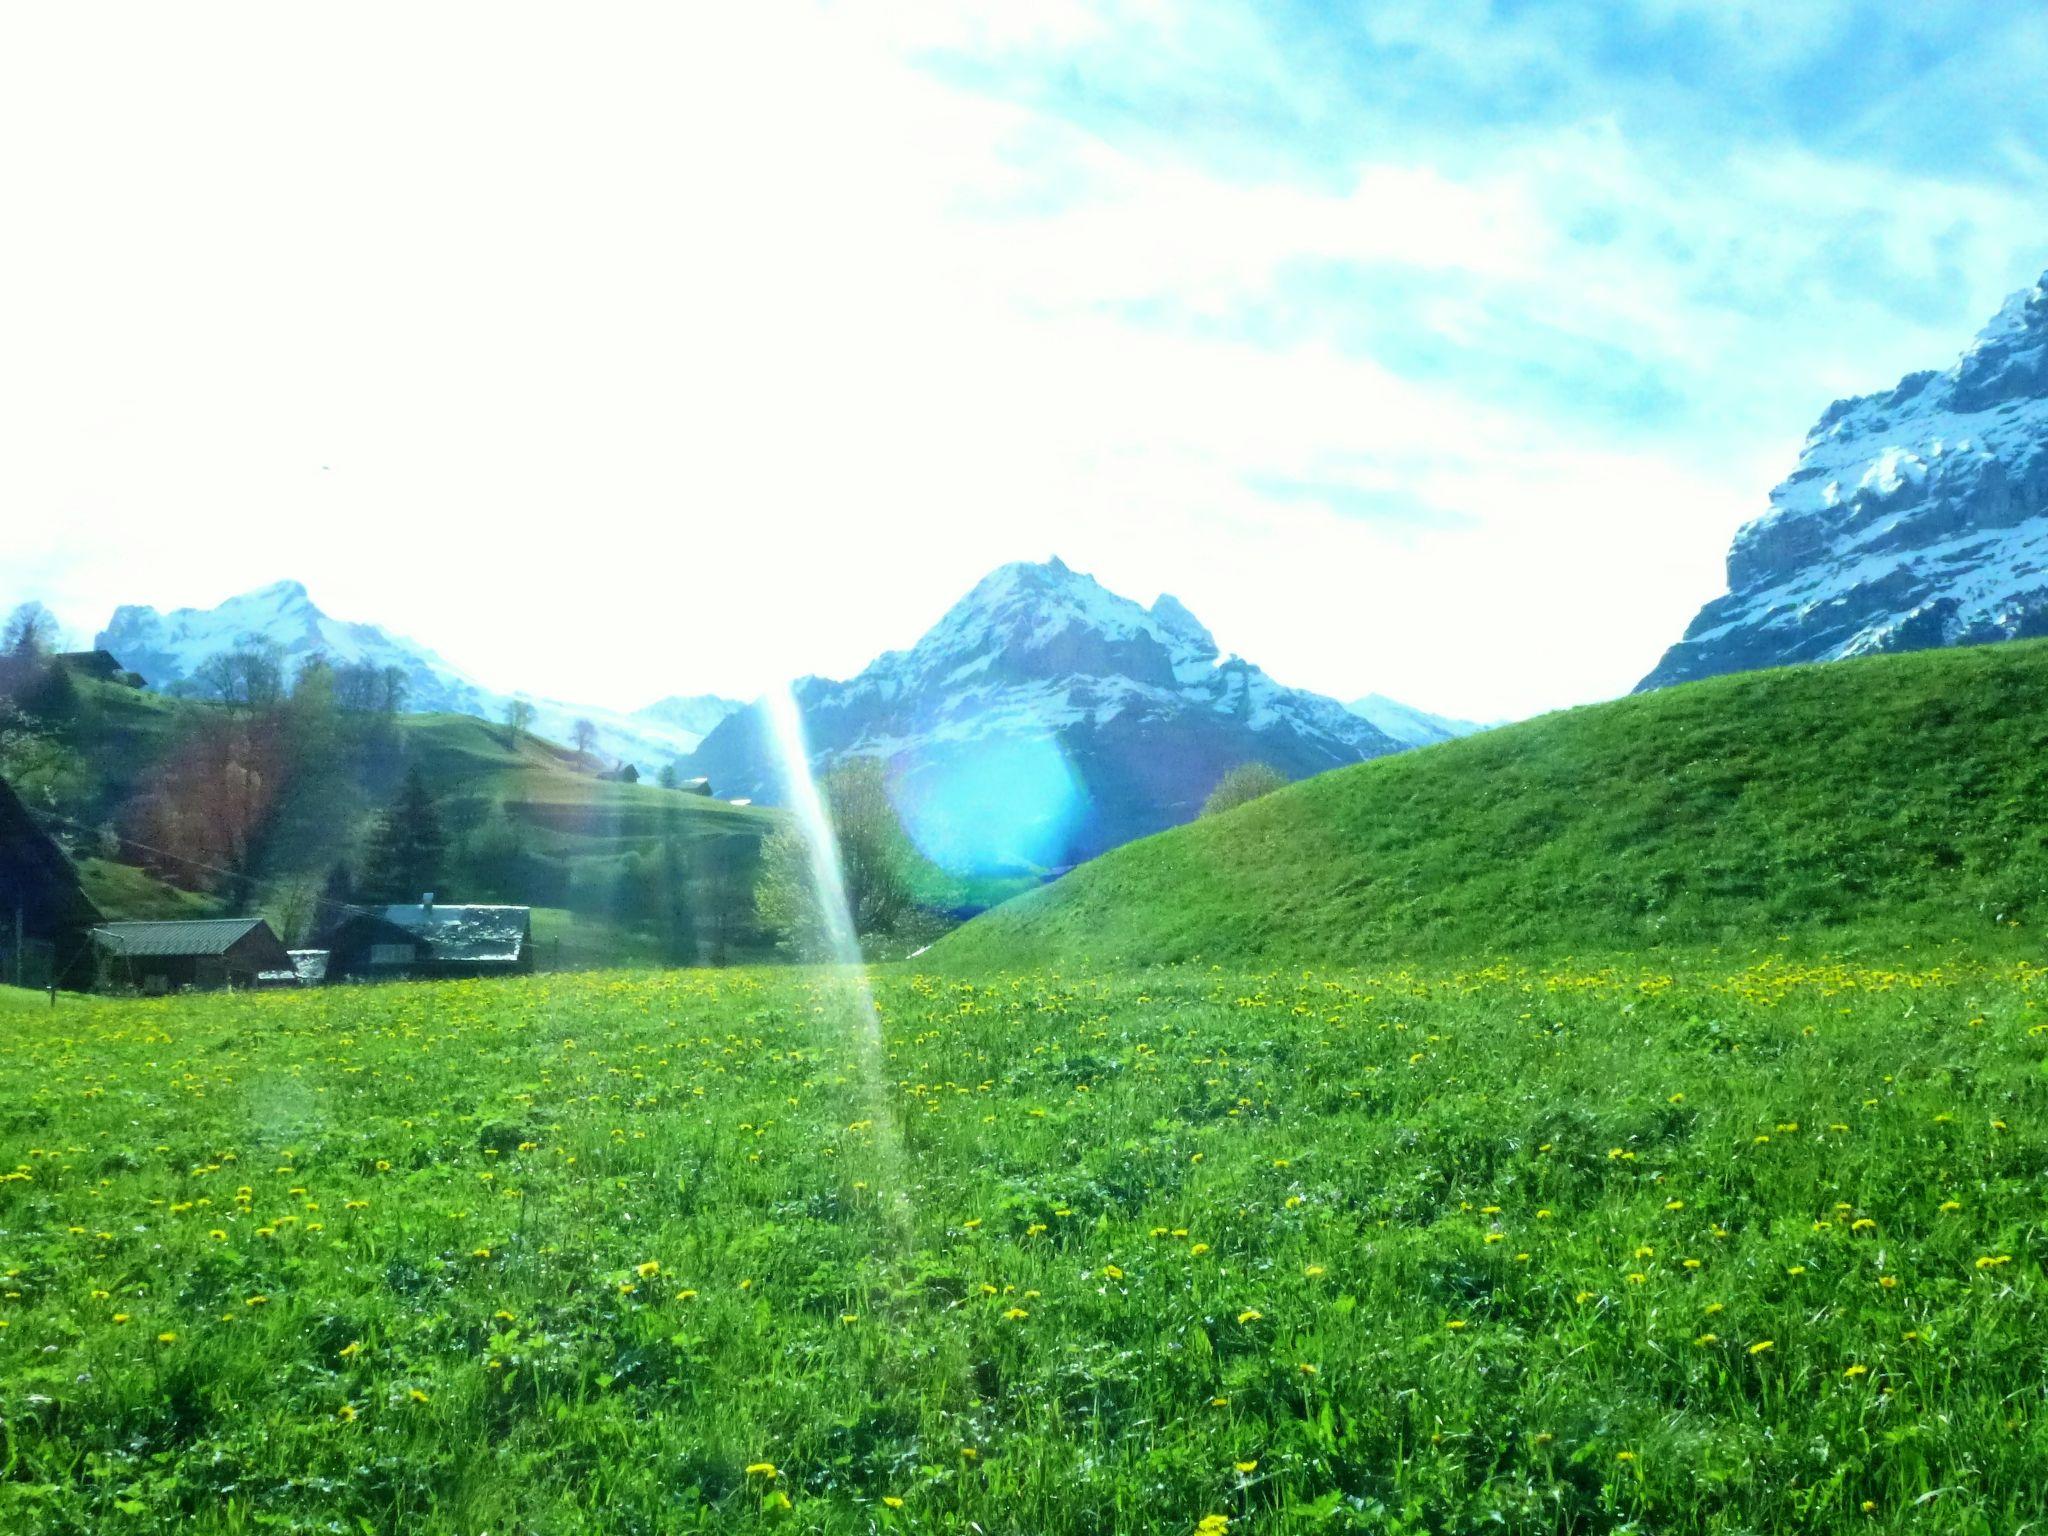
[[1916, 518], [1044, 719]]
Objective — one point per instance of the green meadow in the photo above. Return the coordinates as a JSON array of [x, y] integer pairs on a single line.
[[1728, 1243]]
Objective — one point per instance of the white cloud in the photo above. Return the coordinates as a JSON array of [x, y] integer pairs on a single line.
[[649, 350]]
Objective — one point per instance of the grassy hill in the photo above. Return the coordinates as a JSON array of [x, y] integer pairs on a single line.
[[1894, 797], [581, 848]]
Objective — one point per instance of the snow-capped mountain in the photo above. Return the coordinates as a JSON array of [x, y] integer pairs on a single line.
[[1916, 518], [169, 648], [1408, 725], [1044, 719]]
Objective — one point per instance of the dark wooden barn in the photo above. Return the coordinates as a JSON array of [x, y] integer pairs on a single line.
[[45, 915], [431, 940], [203, 953]]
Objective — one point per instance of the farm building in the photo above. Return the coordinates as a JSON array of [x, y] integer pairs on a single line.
[[431, 940], [45, 915], [201, 953]]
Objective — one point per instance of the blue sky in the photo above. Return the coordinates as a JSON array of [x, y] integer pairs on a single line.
[[1432, 349]]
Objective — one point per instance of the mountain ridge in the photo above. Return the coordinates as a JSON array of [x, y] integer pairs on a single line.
[[168, 648], [1044, 718], [1916, 517]]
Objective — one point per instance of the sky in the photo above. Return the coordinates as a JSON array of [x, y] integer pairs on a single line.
[[1435, 349]]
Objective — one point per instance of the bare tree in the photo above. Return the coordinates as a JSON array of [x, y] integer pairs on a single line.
[[584, 734], [393, 686], [31, 631], [357, 688], [248, 677], [518, 719]]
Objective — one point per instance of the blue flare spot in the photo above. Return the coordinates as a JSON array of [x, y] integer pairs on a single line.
[[1008, 805]]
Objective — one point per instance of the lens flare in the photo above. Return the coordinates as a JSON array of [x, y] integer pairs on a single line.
[[1004, 805], [849, 1000]]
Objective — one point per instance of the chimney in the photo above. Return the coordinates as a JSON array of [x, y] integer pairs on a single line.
[[427, 905]]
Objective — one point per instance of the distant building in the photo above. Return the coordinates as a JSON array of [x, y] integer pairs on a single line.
[[199, 953], [696, 786], [429, 939], [45, 916], [19, 675], [625, 773], [100, 665]]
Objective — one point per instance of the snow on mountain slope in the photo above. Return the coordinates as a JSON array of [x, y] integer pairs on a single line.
[[1408, 725], [694, 714], [169, 648], [1045, 718], [1917, 517]]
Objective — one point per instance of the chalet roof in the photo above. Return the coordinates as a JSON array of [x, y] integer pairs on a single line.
[[467, 933], [33, 865], [195, 936]]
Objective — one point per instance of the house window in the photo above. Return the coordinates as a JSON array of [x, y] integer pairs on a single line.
[[391, 954]]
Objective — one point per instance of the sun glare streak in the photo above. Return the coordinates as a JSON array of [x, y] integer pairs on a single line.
[[845, 973]]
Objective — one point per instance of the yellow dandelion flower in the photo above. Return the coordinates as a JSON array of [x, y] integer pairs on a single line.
[[1250, 1315], [1761, 1345], [763, 1469]]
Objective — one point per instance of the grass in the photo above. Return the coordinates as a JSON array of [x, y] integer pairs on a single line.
[[124, 892], [1902, 796], [1746, 1244]]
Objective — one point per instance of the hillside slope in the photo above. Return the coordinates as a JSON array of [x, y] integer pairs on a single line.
[[1906, 795], [528, 821]]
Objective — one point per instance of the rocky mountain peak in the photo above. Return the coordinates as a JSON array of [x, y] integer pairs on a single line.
[[169, 648], [1917, 516], [1045, 718]]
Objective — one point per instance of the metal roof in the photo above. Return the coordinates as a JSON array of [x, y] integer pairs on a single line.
[[467, 933], [198, 936]]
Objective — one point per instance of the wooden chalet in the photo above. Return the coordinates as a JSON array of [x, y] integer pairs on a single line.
[[429, 940], [191, 954]]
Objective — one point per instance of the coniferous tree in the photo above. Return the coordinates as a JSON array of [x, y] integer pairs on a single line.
[[408, 847]]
